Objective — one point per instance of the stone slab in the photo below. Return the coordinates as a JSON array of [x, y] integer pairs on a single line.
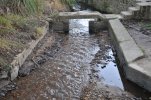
[[144, 4], [20, 58], [138, 74], [96, 26], [119, 30], [80, 15], [136, 66], [113, 16], [131, 51], [61, 26]]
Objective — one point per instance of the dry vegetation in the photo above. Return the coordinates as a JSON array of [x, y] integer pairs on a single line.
[[15, 33], [22, 22]]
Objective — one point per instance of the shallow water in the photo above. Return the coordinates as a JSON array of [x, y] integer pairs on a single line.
[[64, 75], [109, 72], [72, 62]]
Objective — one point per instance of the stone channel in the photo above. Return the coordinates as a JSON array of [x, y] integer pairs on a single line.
[[76, 66]]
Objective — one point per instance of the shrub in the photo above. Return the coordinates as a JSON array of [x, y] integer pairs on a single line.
[[9, 44], [18, 21], [38, 32], [69, 2], [148, 26], [105, 6], [5, 22]]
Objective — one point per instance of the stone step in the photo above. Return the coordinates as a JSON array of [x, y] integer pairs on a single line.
[[126, 14], [136, 66], [143, 0], [133, 9], [113, 16], [142, 5]]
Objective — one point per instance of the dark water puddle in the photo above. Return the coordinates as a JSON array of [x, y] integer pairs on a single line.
[[109, 71]]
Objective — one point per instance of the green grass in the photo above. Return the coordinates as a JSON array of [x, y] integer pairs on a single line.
[[105, 6], [4, 32], [38, 32], [10, 23], [145, 25], [5, 22], [148, 26], [23, 7], [18, 21], [8, 44], [69, 2]]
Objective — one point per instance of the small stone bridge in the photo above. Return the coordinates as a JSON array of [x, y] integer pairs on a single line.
[[62, 24], [80, 15], [86, 15]]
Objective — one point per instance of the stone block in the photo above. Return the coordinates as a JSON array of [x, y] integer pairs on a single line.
[[119, 31], [60, 26], [131, 51], [139, 75], [96, 26], [20, 58]]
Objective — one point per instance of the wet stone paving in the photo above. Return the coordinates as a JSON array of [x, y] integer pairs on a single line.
[[77, 66]]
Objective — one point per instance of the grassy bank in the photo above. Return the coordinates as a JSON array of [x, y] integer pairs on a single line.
[[21, 21]]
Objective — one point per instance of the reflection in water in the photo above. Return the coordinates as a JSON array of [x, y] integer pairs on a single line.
[[79, 27], [109, 72]]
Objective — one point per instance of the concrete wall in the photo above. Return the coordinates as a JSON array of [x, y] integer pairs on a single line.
[[20, 58], [114, 6], [132, 58]]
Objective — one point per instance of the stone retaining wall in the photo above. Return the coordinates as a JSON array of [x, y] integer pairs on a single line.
[[113, 6], [20, 58], [132, 58]]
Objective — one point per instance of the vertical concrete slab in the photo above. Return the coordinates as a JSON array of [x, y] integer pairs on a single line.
[[60, 26], [137, 69], [96, 26]]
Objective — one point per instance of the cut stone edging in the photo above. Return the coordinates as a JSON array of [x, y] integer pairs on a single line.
[[20, 58], [129, 54]]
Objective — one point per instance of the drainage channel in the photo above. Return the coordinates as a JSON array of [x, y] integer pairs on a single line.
[[112, 73], [105, 64], [79, 66]]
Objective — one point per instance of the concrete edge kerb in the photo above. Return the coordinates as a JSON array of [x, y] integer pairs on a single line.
[[126, 44], [136, 66], [20, 58], [129, 54], [139, 75]]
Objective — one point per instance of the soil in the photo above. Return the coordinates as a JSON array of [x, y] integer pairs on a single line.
[[143, 26], [17, 40], [23, 31], [141, 35]]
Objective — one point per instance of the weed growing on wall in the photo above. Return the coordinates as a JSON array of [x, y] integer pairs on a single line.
[[69, 2], [104, 6]]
